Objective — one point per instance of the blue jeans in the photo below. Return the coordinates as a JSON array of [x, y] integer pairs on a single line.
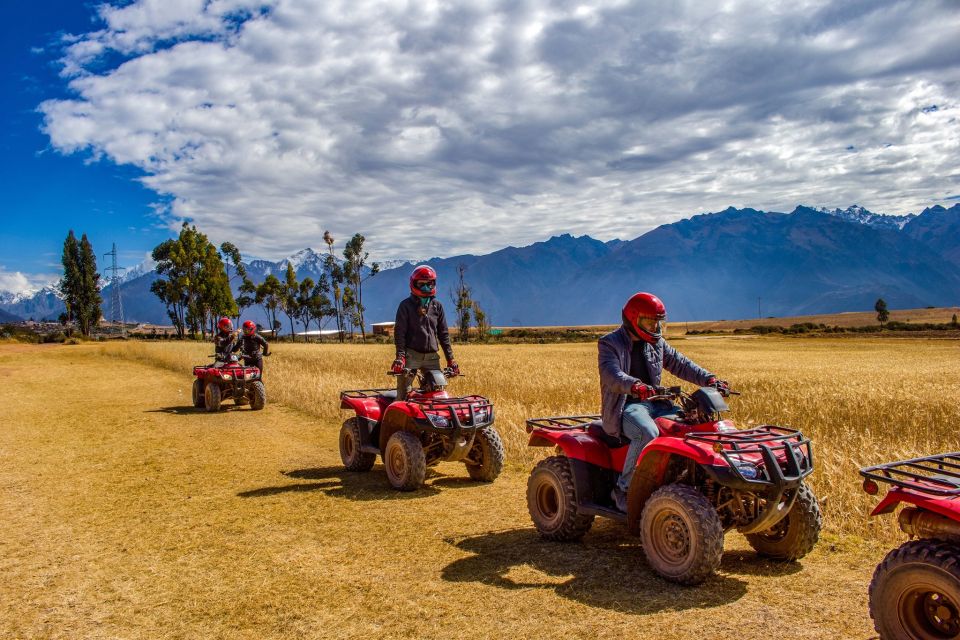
[[639, 427]]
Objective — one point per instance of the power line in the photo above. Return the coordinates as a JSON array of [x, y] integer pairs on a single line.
[[116, 303]]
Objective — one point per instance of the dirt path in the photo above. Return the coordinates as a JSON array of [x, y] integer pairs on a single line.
[[124, 513]]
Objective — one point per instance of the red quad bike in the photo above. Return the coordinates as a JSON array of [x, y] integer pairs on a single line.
[[222, 380], [428, 427], [698, 479], [915, 591]]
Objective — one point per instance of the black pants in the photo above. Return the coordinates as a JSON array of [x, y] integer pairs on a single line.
[[255, 360]]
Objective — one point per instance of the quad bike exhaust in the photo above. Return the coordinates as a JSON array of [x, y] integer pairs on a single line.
[[926, 524]]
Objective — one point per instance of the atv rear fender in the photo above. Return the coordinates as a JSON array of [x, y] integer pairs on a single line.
[[949, 507], [367, 408], [575, 444]]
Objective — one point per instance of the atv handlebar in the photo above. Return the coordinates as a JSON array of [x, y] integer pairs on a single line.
[[672, 393], [446, 371]]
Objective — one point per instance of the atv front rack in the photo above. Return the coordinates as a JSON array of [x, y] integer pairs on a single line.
[[776, 445], [561, 423], [478, 408], [937, 475]]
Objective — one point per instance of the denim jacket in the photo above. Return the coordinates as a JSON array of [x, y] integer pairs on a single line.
[[615, 382]]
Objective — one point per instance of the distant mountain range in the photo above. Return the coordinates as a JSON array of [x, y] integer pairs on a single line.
[[709, 267]]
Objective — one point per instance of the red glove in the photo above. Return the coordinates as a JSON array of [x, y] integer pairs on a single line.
[[454, 367], [642, 391], [721, 385], [398, 365]]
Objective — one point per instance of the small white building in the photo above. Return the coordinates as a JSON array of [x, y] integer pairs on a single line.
[[383, 328]]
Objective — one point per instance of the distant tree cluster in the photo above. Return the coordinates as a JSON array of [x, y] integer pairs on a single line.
[[465, 307], [80, 284], [195, 286]]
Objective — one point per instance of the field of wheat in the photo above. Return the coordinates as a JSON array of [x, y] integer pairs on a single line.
[[862, 401]]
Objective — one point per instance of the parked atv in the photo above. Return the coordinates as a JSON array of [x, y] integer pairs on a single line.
[[228, 380], [428, 427], [700, 478], [915, 591]]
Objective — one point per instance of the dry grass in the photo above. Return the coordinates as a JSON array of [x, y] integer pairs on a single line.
[[124, 513], [937, 315], [862, 401]]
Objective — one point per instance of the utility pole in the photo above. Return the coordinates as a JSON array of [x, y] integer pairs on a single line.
[[116, 304]]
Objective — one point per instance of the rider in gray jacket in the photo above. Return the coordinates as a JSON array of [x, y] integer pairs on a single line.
[[631, 361]]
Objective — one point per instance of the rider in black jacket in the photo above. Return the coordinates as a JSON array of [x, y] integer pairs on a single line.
[[225, 342], [250, 345]]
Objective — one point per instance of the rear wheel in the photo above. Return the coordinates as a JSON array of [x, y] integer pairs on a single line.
[[211, 397], [681, 533], [915, 592], [552, 501], [795, 535], [405, 461], [350, 442], [487, 450], [198, 397], [258, 396]]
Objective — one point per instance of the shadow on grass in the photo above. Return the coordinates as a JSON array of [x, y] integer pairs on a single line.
[[608, 571], [189, 410], [748, 563], [340, 483]]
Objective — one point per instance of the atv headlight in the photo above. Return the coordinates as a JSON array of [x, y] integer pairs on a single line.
[[250, 376], [438, 421], [748, 470], [226, 375]]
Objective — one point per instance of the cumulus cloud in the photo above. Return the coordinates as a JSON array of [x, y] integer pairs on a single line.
[[438, 127], [17, 282]]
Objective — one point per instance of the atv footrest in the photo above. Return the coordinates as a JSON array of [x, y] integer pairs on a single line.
[[937, 475]]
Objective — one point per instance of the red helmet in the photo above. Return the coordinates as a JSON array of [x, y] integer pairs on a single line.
[[225, 324], [423, 282], [643, 315], [249, 328]]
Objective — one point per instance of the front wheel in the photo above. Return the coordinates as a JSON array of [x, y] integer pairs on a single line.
[[197, 395], [405, 461], [258, 396], [485, 460], [915, 592], [681, 533], [351, 441], [795, 535], [211, 397], [552, 501]]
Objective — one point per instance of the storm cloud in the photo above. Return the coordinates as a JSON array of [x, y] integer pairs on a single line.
[[443, 127]]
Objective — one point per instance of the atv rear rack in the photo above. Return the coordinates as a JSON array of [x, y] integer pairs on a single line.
[[364, 393], [768, 441], [561, 423], [937, 475]]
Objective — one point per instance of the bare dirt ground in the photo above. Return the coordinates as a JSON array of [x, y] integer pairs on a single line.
[[125, 513]]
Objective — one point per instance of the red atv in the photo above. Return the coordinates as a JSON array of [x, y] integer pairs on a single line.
[[915, 591], [222, 380], [428, 427], [700, 478]]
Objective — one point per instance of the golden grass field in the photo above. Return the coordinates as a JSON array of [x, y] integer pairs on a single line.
[[124, 513]]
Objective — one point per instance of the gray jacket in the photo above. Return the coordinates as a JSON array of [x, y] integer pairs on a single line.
[[615, 381]]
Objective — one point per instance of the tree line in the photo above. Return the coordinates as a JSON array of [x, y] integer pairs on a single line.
[[80, 284], [195, 287]]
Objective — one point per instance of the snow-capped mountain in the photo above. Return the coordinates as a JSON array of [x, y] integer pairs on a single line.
[[858, 214]]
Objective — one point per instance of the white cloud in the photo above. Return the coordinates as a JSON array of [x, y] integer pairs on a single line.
[[18, 282], [436, 127]]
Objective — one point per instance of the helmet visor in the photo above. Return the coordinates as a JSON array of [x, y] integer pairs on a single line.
[[652, 324], [426, 286]]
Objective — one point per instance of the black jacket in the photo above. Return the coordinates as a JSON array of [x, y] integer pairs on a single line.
[[225, 343], [423, 332], [251, 345]]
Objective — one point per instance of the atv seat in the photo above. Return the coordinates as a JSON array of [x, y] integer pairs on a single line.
[[595, 429], [390, 394]]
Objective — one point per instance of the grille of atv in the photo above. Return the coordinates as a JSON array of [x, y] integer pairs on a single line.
[[786, 453], [937, 475]]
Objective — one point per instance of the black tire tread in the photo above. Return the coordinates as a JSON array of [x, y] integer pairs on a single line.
[[258, 395], [494, 455], [927, 551], [709, 531], [362, 461], [574, 525], [215, 394], [416, 460], [197, 393], [799, 542]]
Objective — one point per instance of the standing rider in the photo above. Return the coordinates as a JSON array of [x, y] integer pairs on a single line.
[[250, 344], [421, 328], [225, 342], [631, 361]]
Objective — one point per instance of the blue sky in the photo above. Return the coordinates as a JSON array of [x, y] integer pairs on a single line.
[[47, 192], [437, 128]]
